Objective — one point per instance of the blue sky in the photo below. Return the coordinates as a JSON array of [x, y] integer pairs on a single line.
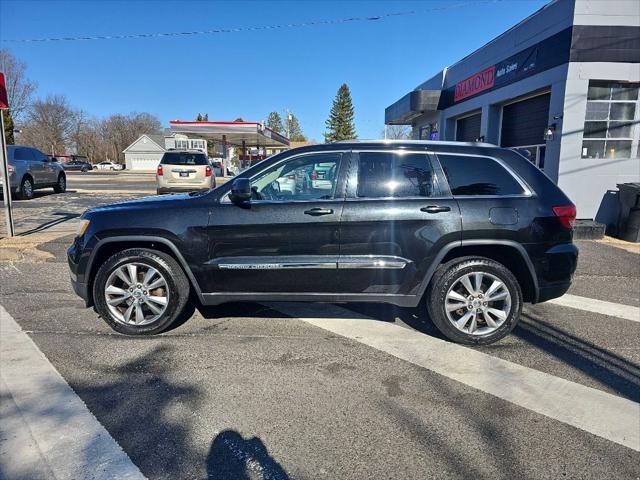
[[247, 74]]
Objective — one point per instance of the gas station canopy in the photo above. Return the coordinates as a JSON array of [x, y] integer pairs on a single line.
[[231, 133]]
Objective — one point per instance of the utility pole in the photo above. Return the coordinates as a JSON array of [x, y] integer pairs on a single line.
[[289, 117], [4, 161]]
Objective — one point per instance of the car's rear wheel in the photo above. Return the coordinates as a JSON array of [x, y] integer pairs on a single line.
[[61, 184], [474, 301], [140, 291], [26, 189]]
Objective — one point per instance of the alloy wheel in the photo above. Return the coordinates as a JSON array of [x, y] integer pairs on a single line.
[[27, 189], [478, 303], [136, 294]]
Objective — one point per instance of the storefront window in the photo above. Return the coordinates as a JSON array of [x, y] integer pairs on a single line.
[[609, 120]]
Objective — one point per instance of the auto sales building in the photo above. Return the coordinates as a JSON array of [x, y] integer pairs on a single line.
[[562, 85]]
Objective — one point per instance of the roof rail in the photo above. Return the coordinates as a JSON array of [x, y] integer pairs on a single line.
[[418, 142]]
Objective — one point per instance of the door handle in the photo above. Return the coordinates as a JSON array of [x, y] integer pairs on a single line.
[[316, 212], [435, 209]]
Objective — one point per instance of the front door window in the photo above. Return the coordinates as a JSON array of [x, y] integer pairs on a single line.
[[302, 178]]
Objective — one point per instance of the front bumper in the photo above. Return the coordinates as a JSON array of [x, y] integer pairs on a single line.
[[79, 287]]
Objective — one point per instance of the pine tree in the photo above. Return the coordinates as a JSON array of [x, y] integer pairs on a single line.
[[340, 124], [8, 127], [292, 127], [205, 118], [274, 122], [199, 118]]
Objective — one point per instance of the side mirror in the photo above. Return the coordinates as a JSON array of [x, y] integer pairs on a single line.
[[240, 190]]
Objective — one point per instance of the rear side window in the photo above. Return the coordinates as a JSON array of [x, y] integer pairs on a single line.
[[21, 153], [182, 158], [394, 175], [470, 175]]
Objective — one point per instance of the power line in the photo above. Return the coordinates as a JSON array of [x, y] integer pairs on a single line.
[[245, 28]]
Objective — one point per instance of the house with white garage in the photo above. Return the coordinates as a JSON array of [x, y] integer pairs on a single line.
[[145, 152]]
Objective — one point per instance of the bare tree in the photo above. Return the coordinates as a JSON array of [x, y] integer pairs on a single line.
[[87, 138], [119, 131], [49, 124], [397, 132], [19, 87]]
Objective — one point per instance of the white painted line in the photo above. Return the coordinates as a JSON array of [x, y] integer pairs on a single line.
[[608, 416], [598, 306], [50, 433]]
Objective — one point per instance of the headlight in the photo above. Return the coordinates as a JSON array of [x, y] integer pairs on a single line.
[[82, 227]]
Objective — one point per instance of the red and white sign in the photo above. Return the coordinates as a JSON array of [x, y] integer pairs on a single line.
[[476, 83], [4, 101]]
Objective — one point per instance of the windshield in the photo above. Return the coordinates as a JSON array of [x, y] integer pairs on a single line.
[[182, 158]]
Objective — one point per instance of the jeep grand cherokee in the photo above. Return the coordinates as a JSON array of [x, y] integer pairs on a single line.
[[473, 229]]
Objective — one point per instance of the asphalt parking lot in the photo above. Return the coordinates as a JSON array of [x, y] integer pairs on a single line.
[[280, 391]]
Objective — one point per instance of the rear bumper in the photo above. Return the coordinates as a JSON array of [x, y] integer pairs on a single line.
[[550, 292], [182, 189], [555, 268]]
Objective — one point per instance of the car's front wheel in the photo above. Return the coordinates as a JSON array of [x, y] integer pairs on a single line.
[[140, 291], [474, 301]]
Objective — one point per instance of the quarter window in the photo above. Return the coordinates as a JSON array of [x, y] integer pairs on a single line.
[[470, 175], [394, 175], [609, 120]]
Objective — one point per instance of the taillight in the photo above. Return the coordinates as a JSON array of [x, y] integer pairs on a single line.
[[207, 171], [314, 175], [12, 169], [292, 177], [566, 214], [159, 170]]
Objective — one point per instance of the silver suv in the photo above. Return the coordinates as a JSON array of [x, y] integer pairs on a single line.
[[30, 169], [184, 171]]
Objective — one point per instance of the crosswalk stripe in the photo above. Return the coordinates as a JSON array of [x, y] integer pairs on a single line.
[[598, 306], [600, 413], [50, 429]]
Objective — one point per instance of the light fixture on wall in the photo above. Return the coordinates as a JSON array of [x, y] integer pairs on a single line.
[[549, 132]]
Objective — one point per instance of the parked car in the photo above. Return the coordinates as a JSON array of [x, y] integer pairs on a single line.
[[472, 229], [184, 171], [30, 169], [77, 163], [108, 165]]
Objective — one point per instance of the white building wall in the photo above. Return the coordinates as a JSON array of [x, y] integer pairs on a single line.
[[587, 181]]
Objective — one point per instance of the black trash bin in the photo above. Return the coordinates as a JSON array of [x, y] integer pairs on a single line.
[[629, 216]]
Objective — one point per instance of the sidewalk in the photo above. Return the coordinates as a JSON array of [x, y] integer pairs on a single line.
[[46, 429]]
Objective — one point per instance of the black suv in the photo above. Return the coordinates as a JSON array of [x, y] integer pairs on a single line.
[[474, 229]]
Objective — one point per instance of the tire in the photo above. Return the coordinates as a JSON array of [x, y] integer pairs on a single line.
[[61, 184], [26, 189], [176, 291], [449, 280]]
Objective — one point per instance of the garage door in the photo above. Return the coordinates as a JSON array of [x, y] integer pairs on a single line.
[[523, 123], [468, 128]]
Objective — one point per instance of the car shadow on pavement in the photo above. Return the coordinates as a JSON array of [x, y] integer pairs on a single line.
[[600, 364], [62, 217], [232, 457]]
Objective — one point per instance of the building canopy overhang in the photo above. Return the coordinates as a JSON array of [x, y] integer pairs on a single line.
[[411, 106], [231, 133]]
